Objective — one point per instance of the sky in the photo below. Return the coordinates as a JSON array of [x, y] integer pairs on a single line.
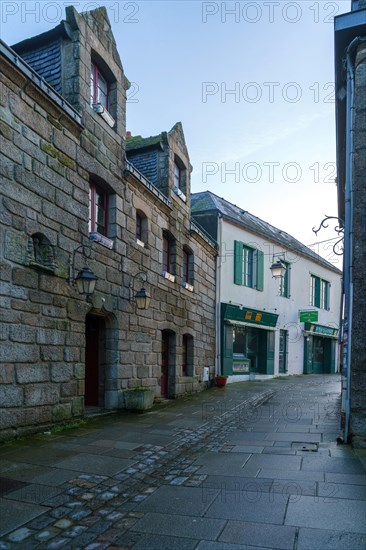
[[252, 83]]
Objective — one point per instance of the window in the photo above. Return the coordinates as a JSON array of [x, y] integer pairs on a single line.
[[284, 285], [248, 266], [141, 228], [98, 210], [188, 262], [99, 87], [283, 351], [180, 179], [166, 254], [177, 177], [187, 355], [319, 292]]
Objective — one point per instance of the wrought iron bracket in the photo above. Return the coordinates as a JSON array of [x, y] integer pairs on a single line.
[[338, 246]]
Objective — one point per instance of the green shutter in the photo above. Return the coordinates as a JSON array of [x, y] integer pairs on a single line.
[[227, 349], [238, 263], [317, 292], [260, 270]]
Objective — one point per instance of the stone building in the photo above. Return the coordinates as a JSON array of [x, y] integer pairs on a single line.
[[350, 77], [269, 326], [69, 200]]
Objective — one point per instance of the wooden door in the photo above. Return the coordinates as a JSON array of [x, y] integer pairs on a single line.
[[92, 361], [165, 353]]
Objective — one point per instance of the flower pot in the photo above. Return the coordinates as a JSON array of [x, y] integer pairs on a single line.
[[220, 381], [139, 400]]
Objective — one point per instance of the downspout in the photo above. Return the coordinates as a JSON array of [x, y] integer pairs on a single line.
[[348, 231], [218, 295]]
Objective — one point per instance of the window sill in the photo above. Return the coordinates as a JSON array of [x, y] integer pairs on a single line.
[[168, 276], [102, 111], [140, 243], [180, 194], [101, 239], [187, 286]]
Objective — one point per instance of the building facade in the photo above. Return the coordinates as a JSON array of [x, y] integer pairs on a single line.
[[69, 200], [350, 78], [269, 326]]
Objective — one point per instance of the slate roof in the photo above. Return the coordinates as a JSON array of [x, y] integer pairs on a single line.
[[138, 142], [209, 202], [43, 54]]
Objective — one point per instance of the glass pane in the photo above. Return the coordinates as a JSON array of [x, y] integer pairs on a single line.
[[102, 90], [239, 341], [91, 228], [92, 99], [100, 212], [176, 176]]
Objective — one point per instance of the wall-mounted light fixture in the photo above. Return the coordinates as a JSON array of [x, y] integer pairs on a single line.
[[141, 298], [278, 269], [85, 280]]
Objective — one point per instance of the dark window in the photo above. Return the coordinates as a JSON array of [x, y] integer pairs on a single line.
[[138, 227], [188, 262], [177, 177], [98, 210], [166, 254], [99, 87], [187, 355]]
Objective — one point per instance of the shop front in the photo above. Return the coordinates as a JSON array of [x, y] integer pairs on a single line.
[[319, 349], [247, 340]]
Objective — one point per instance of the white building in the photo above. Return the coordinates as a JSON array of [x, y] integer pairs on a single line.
[[268, 326]]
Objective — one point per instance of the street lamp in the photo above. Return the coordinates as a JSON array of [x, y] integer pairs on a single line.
[[85, 280], [278, 269], [142, 298]]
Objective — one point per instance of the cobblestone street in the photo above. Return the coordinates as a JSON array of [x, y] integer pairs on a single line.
[[253, 465]]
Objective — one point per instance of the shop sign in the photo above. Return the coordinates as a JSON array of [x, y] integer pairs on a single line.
[[321, 329], [309, 316]]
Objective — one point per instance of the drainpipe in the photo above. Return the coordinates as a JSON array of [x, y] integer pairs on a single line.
[[218, 295], [348, 234]]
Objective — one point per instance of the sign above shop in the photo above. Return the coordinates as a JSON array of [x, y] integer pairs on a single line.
[[321, 329], [245, 315], [308, 316]]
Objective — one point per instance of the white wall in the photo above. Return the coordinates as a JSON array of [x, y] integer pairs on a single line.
[[269, 299]]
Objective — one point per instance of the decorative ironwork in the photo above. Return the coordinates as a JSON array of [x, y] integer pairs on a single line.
[[338, 246]]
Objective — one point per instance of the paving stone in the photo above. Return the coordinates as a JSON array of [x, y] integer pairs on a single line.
[[33, 493], [348, 479], [338, 514], [313, 539], [260, 507], [179, 500], [341, 490], [333, 465], [179, 526], [205, 545], [14, 514], [94, 464], [20, 534], [157, 542], [281, 537], [272, 461]]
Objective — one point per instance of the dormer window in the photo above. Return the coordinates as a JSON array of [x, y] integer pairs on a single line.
[[177, 177], [180, 179], [99, 87]]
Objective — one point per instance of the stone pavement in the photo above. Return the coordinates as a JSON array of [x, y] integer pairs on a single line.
[[252, 466]]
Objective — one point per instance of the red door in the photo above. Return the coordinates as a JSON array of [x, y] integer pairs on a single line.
[[164, 364], [92, 362]]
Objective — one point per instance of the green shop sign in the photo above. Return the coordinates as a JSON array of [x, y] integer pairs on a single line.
[[246, 315], [308, 316], [321, 329]]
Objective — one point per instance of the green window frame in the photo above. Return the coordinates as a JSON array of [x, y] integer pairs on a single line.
[[248, 266], [284, 285], [283, 351], [319, 292]]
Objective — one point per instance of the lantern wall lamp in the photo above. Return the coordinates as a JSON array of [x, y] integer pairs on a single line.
[[85, 280], [278, 268], [141, 298]]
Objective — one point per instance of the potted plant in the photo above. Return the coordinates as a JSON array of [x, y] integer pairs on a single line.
[[139, 399], [220, 380]]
